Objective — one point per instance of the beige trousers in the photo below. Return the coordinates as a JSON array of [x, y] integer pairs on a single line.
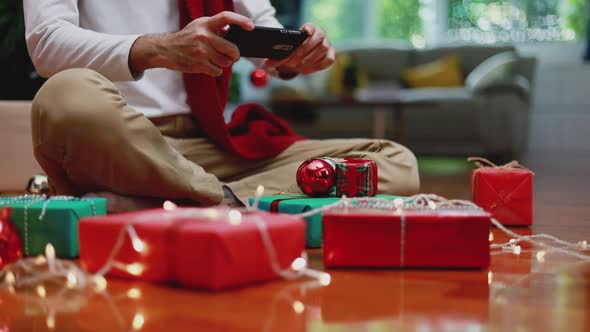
[[87, 139]]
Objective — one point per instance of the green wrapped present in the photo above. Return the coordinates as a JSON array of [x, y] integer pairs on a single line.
[[295, 204], [54, 220]]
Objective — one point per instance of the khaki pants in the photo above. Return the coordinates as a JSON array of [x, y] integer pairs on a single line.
[[87, 139]]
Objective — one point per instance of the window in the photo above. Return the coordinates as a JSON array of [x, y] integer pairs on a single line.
[[432, 21], [490, 21]]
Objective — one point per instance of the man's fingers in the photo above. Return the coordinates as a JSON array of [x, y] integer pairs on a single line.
[[316, 53], [310, 43], [222, 19], [211, 69], [225, 47], [219, 59]]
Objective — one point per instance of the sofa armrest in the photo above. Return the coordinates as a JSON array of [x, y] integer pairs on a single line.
[[516, 84]]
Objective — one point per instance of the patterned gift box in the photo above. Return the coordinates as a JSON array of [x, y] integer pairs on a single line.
[[41, 220], [356, 178]]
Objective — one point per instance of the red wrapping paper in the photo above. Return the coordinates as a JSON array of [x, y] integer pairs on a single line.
[[356, 178], [191, 250], [434, 239], [507, 193]]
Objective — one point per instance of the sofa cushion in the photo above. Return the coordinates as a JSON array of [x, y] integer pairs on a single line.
[[471, 55], [444, 72], [18, 163], [494, 69]]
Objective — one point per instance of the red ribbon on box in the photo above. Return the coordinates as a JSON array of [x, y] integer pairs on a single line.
[[356, 177]]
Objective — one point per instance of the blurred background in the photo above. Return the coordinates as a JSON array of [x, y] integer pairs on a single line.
[[504, 79]]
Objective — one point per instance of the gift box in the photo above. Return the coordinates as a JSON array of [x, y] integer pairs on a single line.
[[200, 248], [41, 220], [295, 204], [439, 238], [356, 178], [504, 191]]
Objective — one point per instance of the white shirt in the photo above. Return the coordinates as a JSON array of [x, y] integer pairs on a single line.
[[98, 34]]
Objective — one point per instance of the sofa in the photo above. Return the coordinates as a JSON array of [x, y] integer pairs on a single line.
[[16, 151], [491, 120]]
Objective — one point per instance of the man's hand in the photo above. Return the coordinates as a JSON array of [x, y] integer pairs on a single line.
[[198, 48], [315, 54]]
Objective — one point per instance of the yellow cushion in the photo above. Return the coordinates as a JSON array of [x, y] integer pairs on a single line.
[[336, 78], [441, 73]]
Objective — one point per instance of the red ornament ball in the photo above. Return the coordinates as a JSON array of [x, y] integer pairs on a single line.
[[259, 78], [316, 177], [11, 247]]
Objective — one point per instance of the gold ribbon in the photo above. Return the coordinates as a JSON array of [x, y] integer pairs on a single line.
[[485, 163]]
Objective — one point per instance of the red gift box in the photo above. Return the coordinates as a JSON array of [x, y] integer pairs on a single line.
[[505, 192], [413, 238], [194, 247], [356, 178]]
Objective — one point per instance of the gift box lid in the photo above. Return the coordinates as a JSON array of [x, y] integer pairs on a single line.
[[293, 203], [78, 208]]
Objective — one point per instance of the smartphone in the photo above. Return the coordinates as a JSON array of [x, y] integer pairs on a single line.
[[264, 42]]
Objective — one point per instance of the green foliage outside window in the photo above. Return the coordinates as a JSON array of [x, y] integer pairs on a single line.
[[398, 19], [520, 20], [342, 19]]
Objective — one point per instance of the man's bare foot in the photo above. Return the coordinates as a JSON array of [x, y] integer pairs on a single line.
[[118, 203]]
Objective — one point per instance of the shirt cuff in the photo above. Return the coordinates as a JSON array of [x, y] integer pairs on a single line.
[[127, 45]]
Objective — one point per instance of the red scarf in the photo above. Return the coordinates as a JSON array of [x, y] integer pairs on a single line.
[[253, 132]]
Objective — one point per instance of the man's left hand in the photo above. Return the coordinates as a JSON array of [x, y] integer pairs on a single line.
[[315, 54]]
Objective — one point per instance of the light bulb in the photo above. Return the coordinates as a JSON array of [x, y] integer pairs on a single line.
[[134, 293], [490, 277], [299, 264], [516, 249], [138, 321], [50, 322], [50, 254], [9, 278], [71, 281], [432, 205], [325, 279], [491, 236], [169, 206], [584, 245], [138, 244], [135, 269], [259, 190], [298, 307], [541, 256], [41, 291], [235, 217], [100, 283], [40, 260]]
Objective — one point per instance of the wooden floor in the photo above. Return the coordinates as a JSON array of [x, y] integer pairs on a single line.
[[518, 292]]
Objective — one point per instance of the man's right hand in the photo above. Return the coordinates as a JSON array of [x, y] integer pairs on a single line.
[[197, 48]]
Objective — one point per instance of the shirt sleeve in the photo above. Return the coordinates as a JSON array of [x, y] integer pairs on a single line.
[[261, 12], [56, 42]]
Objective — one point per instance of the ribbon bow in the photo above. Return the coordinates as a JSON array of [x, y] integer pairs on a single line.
[[485, 163]]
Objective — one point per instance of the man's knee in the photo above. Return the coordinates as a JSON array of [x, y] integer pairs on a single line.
[[401, 170], [76, 102]]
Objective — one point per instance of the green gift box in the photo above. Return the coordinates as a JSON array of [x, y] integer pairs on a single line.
[[42, 220], [295, 204]]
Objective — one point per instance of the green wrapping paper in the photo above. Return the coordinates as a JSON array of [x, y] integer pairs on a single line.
[[294, 204], [58, 226]]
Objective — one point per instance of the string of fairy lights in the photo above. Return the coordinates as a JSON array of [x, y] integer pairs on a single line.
[[47, 278]]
